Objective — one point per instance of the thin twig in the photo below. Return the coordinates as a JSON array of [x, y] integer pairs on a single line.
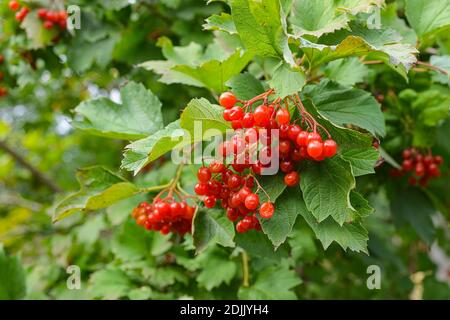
[[35, 171]]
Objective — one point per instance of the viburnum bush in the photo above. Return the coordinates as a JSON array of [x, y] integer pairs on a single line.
[[225, 149]]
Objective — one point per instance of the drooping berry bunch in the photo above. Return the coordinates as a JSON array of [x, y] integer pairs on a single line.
[[252, 149], [236, 194], [295, 142], [421, 166], [22, 13], [165, 215], [52, 18]]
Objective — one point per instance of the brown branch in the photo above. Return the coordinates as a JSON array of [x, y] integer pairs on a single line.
[[22, 161], [430, 66]]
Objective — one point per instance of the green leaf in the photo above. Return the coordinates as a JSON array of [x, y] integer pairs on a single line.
[[209, 115], [12, 277], [273, 283], [326, 187], [212, 226], [360, 204], [183, 132], [383, 44], [303, 247], [287, 80], [342, 105], [351, 236], [100, 188], [217, 268], [413, 206], [138, 116], [224, 22], [323, 16], [427, 17], [109, 284], [389, 18], [274, 186], [442, 62], [133, 242], [213, 74], [141, 152], [361, 160], [256, 244], [245, 86], [262, 28], [347, 72], [280, 225]]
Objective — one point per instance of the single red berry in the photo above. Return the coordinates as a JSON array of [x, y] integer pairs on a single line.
[[250, 182], [216, 167], [407, 153], [329, 148], [296, 154], [201, 189], [226, 115], [302, 139], [286, 166], [291, 179], [427, 160], [234, 181], [14, 5], [48, 24], [165, 230], [420, 169], [284, 131], [227, 100], [232, 214], [236, 113], [283, 116], [433, 170], [236, 124], [294, 131], [284, 146], [438, 160], [247, 120], [252, 201], [315, 148], [210, 201], [407, 165], [204, 174], [242, 226], [262, 116], [214, 187], [42, 13], [313, 136], [266, 210]]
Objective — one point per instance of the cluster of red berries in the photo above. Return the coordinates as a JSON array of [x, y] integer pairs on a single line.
[[3, 90], [22, 13], [294, 143], [165, 215], [251, 149], [235, 192], [422, 167], [52, 18]]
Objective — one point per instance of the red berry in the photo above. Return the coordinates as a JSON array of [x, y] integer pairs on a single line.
[[252, 201], [248, 121], [283, 116], [407, 165], [329, 148], [14, 5], [232, 214], [236, 113], [284, 131], [227, 100], [433, 170], [234, 181], [407, 153], [214, 187], [204, 174], [226, 115], [315, 148], [20, 16], [313, 136], [262, 116], [201, 189], [286, 166], [210, 201], [244, 193], [438, 160], [266, 210], [420, 169], [42, 13], [302, 139], [427, 160], [291, 179], [294, 131], [242, 226], [285, 146], [48, 24]]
